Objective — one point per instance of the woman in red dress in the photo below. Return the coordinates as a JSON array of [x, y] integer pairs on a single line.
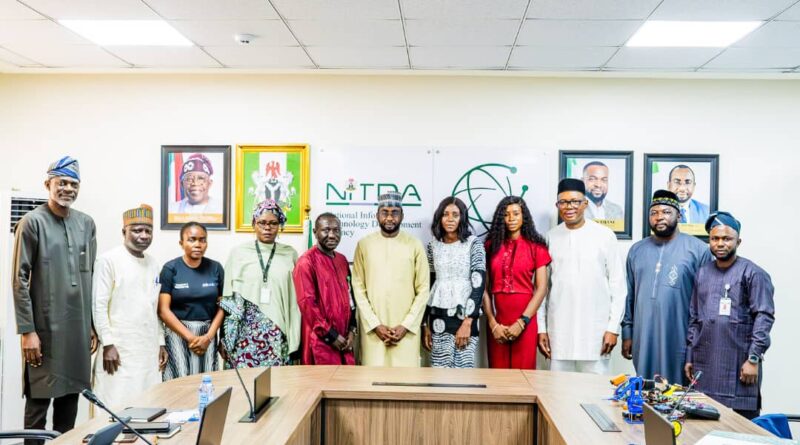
[[517, 261]]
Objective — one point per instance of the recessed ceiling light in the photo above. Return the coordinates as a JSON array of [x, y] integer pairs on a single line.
[[127, 32], [691, 34]]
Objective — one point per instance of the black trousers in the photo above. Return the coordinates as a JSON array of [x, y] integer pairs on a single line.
[[65, 409], [748, 414]]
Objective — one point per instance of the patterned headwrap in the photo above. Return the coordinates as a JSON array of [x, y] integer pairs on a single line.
[[272, 207], [197, 163], [66, 166], [665, 197], [140, 215], [390, 199], [723, 219]]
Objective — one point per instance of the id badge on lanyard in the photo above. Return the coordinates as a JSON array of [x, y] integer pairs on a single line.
[[725, 303], [266, 292]]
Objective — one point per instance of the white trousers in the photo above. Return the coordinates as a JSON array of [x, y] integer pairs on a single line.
[[602, 366]]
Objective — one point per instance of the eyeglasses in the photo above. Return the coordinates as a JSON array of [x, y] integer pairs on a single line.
[[195, 179], [569, 203], [271, 224]]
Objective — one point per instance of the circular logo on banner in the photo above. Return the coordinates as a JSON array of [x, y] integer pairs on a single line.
[[482, 187]]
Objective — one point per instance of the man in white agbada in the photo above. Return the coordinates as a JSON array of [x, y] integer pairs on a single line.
[[124, 304], [580, 320]]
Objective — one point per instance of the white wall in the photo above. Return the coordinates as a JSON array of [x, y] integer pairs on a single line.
[[115, 125]]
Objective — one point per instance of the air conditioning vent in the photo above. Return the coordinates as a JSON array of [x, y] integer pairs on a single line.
[[21, 206]]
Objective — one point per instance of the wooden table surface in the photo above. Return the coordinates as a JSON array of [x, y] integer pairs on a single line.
[[300, 390]]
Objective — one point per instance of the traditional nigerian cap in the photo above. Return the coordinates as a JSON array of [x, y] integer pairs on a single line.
[[66, 166], [390, 199], [140, 215], [571, 185], [272, 207], [197, 163], [723, 219], [665, 197]]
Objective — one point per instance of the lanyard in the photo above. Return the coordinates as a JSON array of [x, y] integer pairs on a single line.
[[265, 269]]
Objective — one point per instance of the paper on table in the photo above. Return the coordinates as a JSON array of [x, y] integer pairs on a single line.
[[729, 438], [182, 416]]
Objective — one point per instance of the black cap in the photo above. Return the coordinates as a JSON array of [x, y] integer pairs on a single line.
[[571, 185]]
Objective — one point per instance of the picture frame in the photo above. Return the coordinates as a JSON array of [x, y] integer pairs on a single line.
[[608, 176], [693, 177], [195, 186], [280, 172]]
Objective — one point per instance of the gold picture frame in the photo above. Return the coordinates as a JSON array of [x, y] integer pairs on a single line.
[[280, 172]]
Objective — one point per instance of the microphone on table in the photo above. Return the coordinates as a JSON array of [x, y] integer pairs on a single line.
[[252, 417], [91, 397]]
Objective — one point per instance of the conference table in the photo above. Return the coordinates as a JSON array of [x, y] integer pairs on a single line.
[[369, 405]]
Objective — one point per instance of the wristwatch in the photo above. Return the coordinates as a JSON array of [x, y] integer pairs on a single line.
[[754, 359]]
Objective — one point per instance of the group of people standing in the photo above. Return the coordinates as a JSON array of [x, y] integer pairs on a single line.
[[680, 306]]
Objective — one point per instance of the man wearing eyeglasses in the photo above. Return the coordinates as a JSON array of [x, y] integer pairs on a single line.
[[196, 180], [661, 273], [391, 288], [579, 320]]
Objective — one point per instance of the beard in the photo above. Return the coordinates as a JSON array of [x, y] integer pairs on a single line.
[[390, 231], [666, 233], [727, 256], [596, 199]]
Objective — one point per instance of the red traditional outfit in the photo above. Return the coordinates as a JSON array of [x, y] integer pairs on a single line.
[[323, 295], [512, 270]]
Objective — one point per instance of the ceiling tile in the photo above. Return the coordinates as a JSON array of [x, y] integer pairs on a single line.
[[64, 55], [93, 9], [714, 10], [39, 32], [531, 57], [792, 13], [221, 32], [666, 58], [463, 9], [213, 9], [464, 57], [338, 9], [348, 32], [458, 33], [364, 57], [15, 59], [240, 56], [592, 9], [757, 58], [773, 34], [165, 56], [14, 10], [577, 32]]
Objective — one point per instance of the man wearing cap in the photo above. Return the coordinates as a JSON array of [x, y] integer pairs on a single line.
[[661, 270], [391, 286], [579, 320], [54, 251], [125, 307], [730, 318], [196, 181]]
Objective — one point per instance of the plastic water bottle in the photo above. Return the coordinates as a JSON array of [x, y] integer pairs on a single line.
[[205, 394]]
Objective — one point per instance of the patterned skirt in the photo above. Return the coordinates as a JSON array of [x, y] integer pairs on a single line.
[[251, 339], [182, 361]]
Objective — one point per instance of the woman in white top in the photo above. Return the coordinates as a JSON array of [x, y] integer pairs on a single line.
[[457, 262]]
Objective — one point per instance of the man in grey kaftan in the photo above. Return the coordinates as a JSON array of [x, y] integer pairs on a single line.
[[54, 253], [661, 270]]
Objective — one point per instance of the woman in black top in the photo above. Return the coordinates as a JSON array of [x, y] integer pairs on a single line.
[[191, 286]]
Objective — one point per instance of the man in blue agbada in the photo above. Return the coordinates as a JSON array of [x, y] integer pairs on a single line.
[[731, 315], [661, 270]]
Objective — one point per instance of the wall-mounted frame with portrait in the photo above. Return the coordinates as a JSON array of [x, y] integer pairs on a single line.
[[279, 172], [608, 176], [694, 178], [195, 186]]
